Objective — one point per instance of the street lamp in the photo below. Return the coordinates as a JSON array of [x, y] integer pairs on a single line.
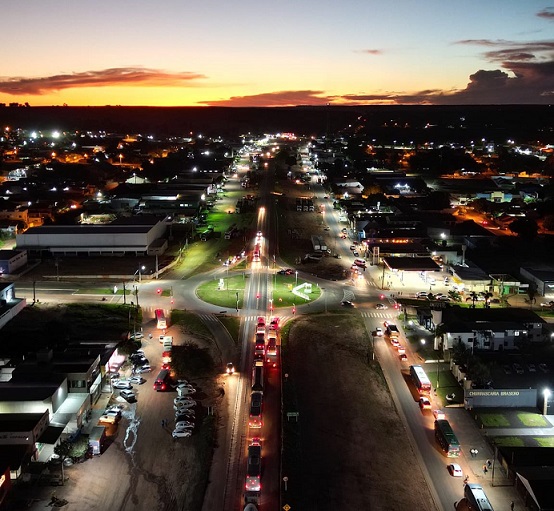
[[296, 282], [140, 270], [546, 394]]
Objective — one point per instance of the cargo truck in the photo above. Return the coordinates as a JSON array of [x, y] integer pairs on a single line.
[[97, 438]]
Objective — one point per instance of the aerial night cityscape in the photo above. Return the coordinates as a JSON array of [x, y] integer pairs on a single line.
[[277, 257]]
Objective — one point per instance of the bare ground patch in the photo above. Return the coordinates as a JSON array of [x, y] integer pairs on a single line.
[[349, 449]]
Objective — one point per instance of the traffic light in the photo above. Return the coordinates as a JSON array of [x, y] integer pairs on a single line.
[[382, 297], [257, 295], [294, 310], [396, 306], [159, 291]]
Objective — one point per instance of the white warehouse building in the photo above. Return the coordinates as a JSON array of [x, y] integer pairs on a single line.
[[112, 239]]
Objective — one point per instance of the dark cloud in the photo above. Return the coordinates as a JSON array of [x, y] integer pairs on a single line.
[[547, 13], [128, 76], [281, 98]]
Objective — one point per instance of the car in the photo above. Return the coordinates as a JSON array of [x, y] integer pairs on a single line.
[[186, 415], [113, 413], [532, 368], [183, 399], [261, 321], [403, 357], [118, 407], [518, 368], [381, 306], [114, 376], [379, 331], [424, 403], [543, 367], [421, 294], [107, 419], [395, 342], [344, 230], [356, 253], [137, 336], [352, 247], [230, 369], [547, 304], [343, 236], [184, 424], [122, 384], [274, 325], [139, 360], [439, 415], [143, 369], [137, 380], [259, 234], [347, 303], [185, 390], [179, 382], [386, 323], [182, 433], [128, 395], [183, 405], [401, 350], [507, 369], [289, 271], [455, 470]]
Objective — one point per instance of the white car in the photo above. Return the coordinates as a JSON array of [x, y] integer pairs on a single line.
[[122, 384], [439, 415], [381, 306], [137, 380], [182, 433], [110, 412], [185, 391], [455, 470], [136, 336], [379, 331], [184, 424], [107, 419], [143, 369]]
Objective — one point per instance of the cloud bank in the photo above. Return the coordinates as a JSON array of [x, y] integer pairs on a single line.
[[114, 77]]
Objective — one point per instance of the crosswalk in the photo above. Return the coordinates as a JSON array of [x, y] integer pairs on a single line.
[[376, 314]]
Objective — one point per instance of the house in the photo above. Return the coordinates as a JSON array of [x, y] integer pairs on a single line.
[[488, 329]]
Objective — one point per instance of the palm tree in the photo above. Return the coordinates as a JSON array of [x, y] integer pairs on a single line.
[[473, 297], [488, 297]]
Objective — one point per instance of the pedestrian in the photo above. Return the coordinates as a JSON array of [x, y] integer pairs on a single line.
[[489, 464], [163, 423], [512, 506], [485, 469]]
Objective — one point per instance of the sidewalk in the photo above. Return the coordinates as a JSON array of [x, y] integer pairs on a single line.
[[499, 490]]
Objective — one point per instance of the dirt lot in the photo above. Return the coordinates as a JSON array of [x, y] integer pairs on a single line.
[[349, 449]]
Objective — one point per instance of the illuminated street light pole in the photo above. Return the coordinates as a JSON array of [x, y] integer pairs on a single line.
[[140, 270], [546, 394]]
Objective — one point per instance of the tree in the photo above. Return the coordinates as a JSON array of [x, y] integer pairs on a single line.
[[473, 297], [127, 347], [455, 296], [63, 450], [524, 227], [488, 297]]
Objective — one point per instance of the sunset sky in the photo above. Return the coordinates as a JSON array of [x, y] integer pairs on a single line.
[[246, 53]]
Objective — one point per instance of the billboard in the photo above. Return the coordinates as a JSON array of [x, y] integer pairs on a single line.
[[501, 398]]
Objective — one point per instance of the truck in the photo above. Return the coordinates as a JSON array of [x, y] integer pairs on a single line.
[[97, 438]]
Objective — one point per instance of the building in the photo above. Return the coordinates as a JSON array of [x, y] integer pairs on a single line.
[[487, 329], [119, 238], [12, 260]]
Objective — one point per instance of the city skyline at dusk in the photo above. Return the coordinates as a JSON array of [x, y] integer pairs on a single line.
[[255, 54]]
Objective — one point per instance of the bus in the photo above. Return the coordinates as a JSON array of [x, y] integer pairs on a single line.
[[421, 381], [256, 253], [476, 498], [160, 319], [162, 380], [446, 438], [258, 378]]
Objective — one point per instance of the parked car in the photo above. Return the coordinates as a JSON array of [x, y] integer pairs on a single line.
[[379, 332], [347, 303], [518, 368], [128, 395], [113, 413], [185, 415], [137, 380], [421, 294], [356, 253], [182, 433], [137, 336], [381, 306], [143, 369], [184, 405], [185, 390], [455, 470], [107, 419], [122, 384], [543, 367], [184, 424], [183, 399]]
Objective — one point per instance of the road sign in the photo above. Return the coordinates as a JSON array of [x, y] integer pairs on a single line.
[[286, 507]]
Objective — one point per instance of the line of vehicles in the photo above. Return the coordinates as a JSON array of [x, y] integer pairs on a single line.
[[265, 352]]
